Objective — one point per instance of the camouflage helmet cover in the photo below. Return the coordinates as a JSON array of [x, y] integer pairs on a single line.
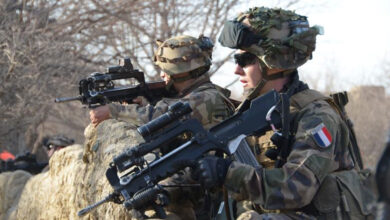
[[284, 39], [183, 54]]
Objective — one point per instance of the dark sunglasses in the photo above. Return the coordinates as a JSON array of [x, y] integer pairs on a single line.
[[244, 59]]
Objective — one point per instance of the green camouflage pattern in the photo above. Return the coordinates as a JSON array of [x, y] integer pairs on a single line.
[[181, 54], [253, 215], [294, 185], [208, 105], [282, 47]]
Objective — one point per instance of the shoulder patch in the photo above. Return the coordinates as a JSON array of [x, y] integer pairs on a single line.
[[321, 136]]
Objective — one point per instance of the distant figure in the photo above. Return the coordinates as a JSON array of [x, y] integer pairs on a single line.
[[28, 161], [55, 143]]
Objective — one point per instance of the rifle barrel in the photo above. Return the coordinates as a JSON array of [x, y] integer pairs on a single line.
[[67, 99], [88, 209]]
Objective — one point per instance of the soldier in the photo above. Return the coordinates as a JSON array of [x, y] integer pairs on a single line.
[[184, 62], [28, 161], [55, 143], [309, 170]]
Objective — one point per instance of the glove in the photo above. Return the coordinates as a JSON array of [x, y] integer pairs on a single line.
[[211, 171]]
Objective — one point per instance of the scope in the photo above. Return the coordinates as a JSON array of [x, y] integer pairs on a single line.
[[175, 111], [124, 66]]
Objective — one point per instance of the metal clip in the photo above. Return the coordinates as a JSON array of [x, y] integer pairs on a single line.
[[269, 120]]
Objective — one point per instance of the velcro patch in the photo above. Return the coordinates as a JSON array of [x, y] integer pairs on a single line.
[[321, 136]]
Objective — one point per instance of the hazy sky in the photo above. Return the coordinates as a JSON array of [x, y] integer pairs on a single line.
[[355, 44]]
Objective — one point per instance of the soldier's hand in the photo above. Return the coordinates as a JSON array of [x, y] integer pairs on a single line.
[[140, 100], [211, 171], [99, 114]]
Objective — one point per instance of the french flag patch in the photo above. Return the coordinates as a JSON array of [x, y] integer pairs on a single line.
[[322, 135]]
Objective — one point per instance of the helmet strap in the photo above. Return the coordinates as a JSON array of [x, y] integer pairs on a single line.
[[169, 84], [278, 75], [260, 85], [265, 78], [181, 77], [193, 74]]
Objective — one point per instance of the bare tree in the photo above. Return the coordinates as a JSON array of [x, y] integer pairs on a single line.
[[35, 66], [113, 29], [48, 45]]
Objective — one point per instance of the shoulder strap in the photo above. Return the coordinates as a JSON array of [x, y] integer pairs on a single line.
[[225, 94], [305, 97], [338, 102]]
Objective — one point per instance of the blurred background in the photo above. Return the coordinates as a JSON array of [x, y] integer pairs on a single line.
[[47, 46]]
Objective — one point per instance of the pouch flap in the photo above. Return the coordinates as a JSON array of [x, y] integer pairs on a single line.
[[328, 196]]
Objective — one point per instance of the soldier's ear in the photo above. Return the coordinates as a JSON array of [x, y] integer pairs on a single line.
[[159, 42]]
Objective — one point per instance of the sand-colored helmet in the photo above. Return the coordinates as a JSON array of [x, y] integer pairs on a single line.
[[183, 54], [279, 38]]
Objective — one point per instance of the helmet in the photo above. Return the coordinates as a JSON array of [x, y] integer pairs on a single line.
[[57, 140], [279, 38], [183, 54]]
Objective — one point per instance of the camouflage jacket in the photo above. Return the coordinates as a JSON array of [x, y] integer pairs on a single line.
[[313, 156], [208, 104]]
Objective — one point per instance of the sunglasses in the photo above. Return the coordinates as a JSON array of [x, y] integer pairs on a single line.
[[244, 59]]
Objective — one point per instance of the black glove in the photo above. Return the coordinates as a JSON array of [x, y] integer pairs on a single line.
[[211, 171]]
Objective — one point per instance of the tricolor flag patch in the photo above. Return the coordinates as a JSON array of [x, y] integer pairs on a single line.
[[322, 136]]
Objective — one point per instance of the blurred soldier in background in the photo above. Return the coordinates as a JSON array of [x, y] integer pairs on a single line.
[[55, 143], [310, 167], [28, 161]]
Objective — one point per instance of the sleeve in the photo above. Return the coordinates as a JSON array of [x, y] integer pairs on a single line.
[[207, 106], [137, 114], [297, 181]]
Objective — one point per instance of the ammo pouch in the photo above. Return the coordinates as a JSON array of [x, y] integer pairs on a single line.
[[347, 195]]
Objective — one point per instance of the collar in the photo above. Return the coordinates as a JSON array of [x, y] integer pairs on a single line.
[[198, 82]]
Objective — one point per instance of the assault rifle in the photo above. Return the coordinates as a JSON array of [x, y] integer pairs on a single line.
[[26, 162], [99, 88], [135, 178]]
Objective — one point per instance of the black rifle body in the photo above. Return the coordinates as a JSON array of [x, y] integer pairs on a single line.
[[99, 89]]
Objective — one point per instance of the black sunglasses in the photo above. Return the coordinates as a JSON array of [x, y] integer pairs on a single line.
[[244, 59]]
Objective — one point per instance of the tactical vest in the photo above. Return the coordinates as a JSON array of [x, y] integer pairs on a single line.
[[345, 194]]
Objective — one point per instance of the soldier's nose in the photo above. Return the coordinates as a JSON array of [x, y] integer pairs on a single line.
[[238, 70]]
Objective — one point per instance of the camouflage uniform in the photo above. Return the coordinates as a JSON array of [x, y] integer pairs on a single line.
[[208, 104], [294, 185]]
